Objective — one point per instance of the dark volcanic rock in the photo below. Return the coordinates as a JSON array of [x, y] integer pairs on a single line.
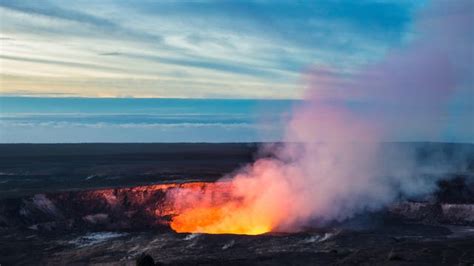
[[28, 169], [434, 213], [145, 260], [459, 190], [394, 256], [41, 224]]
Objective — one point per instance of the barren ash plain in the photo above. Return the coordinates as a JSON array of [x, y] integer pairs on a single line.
[[103, 204]]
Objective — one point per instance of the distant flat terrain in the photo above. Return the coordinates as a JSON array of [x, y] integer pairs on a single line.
[[27, 169], [33, 168]]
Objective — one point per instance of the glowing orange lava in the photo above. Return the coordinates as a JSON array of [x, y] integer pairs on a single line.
[[214, 208], [256, 200]]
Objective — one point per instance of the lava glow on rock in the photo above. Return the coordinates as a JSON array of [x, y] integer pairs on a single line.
[[219, 207], [257, 199], [214, 208]]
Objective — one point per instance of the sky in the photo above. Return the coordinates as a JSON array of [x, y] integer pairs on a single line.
[[128, 71], [190, 49]]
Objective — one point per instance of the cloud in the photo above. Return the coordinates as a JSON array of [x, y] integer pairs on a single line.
[[45, 8], [258, 46], [288, 21], [110, 53], [230, 67], [57, 62]]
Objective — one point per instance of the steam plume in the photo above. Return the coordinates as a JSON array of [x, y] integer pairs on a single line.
[[332, 166]]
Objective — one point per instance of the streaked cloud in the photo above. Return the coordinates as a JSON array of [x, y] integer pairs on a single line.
[[189, 49]]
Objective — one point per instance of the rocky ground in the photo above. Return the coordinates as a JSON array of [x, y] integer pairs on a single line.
[[117, 225], [394, 245]]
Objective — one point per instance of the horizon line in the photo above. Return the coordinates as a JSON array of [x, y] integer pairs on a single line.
[[145, 98]]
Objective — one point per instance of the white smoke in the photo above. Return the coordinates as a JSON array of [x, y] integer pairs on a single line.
[[334, 165], [339, 167]]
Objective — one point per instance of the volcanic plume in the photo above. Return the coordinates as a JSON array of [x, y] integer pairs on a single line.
[[331, 167]]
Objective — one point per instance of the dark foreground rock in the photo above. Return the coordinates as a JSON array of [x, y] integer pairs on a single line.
[[145, 260], [116, 226], [434, 245]]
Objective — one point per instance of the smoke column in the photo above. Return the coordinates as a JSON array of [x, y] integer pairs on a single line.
[[331, 167]]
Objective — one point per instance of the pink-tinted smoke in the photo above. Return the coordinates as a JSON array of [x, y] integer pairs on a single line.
[[329, 169]]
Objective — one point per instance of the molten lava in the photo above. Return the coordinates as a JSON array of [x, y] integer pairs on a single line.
[[243, 204], [214, 208]]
